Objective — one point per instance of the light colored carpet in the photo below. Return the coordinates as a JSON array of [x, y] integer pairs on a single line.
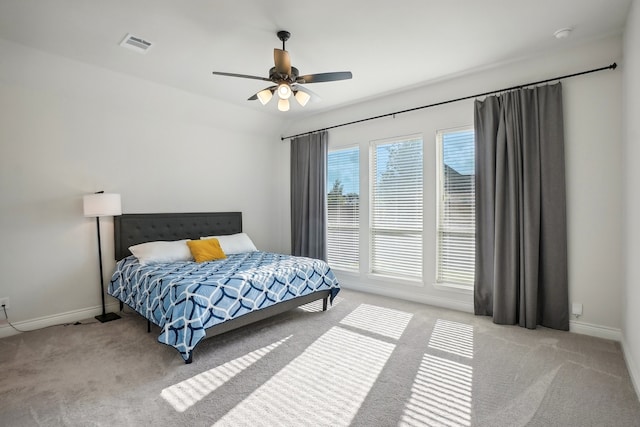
[[368, 361]]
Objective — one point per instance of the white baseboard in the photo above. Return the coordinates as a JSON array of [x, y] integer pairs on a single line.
[[55, 319], [634, 373], [575, 326], [598, 331], [413, 297]]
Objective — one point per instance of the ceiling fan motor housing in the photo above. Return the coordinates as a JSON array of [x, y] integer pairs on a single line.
[[275, 76]]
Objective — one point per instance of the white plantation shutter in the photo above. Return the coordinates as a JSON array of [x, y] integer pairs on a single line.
[[343, 209], [396, 207], [456, 213]]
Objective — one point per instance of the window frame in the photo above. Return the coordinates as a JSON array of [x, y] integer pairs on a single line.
[[398, 277], [358, 267], [439, 208]]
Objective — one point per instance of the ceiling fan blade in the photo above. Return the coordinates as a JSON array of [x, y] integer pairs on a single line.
[[282, 61], [324, 77], [244, 76], [255, 96]]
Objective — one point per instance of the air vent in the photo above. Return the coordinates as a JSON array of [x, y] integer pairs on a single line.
[[138, 44]]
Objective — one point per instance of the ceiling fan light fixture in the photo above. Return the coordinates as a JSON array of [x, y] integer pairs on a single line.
[[284, 91], [265, 96], [283, 104], [302, 97]]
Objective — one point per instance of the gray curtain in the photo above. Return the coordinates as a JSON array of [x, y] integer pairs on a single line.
[[308, 195], [521, 233]]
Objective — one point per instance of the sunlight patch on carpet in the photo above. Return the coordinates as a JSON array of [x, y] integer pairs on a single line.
[[324, 386], [440, 395], [452, 337], [380, 320], [187, 393]]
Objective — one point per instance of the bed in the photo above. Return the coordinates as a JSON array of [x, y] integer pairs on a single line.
[[191, 300]]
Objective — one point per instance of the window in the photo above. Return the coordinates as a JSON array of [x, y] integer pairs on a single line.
[[343, 208], [456, 208], [396, 207]]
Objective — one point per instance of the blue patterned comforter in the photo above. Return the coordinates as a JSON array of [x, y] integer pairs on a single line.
[[185, 298]]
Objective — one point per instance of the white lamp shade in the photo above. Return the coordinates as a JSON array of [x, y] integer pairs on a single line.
[[264, 96], [283, 104], [302, 97], [284, 91], [102, 204]]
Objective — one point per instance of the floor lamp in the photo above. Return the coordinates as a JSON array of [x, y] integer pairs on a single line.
[[97, 205]]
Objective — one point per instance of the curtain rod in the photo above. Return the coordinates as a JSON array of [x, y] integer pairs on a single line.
[[612, 67]]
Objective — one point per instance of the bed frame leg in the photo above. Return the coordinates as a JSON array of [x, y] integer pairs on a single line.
[[189, 360], [148, 326], [121, 305], [324, 303]]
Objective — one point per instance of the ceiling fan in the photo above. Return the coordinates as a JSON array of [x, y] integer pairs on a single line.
[[287, 80]]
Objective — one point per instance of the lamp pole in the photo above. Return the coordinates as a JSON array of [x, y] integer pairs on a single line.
[[100, 204]]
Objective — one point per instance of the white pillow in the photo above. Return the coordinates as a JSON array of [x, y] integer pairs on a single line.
[[160, 251], [234, 243]]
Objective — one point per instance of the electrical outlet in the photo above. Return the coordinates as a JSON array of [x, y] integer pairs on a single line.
[[5, 302], [576, 309]]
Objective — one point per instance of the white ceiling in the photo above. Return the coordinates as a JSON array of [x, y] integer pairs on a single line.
[[387, 45]]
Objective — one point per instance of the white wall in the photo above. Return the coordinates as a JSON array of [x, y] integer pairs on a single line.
[[592, 107], [631, 299], [69, 129]]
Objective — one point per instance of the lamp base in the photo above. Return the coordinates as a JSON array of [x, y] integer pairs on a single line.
[[107, 317]]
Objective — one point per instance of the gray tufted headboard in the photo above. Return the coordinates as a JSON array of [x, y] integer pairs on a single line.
[[132, 229]]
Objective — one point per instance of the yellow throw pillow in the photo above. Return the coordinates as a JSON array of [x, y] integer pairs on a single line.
[[205, 250]]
